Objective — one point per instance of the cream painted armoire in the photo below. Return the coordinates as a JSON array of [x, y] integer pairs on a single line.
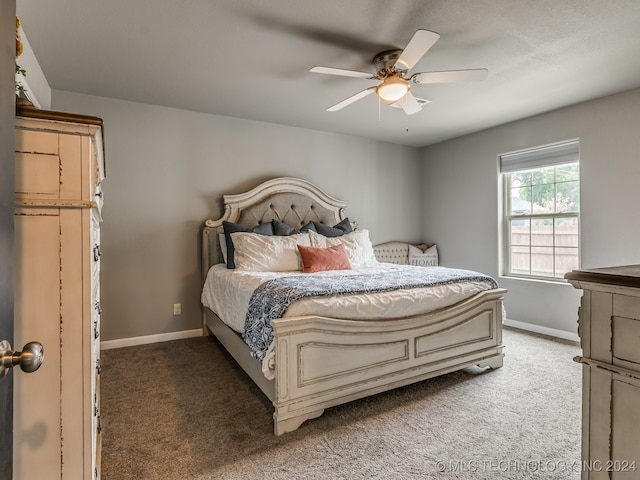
[[609, 327], [58, 201]]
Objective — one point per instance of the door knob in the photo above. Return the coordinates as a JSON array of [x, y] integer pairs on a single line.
[[29, 359]]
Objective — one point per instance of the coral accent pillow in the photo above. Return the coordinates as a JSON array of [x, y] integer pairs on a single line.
[[321, 259]]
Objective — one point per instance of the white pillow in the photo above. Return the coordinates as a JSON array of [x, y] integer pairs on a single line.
[[357, 243], [266, 253], [428, 258]]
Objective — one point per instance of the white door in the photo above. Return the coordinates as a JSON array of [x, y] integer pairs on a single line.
[[32, 355], [7, 116], [8, 357]]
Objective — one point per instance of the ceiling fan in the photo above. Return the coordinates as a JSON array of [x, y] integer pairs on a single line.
[[392, 67]]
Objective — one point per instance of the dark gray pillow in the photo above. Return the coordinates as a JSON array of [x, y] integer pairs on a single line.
[[309, 227], [282, 229], [337, 230], [229, 228]]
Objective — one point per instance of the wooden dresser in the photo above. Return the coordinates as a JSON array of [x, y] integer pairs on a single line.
[[609, 329], [58, 202]]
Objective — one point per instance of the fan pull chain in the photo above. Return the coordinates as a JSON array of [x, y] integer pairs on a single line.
[[406, 103]]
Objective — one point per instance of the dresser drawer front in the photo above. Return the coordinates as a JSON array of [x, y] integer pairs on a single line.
[[626, 337], [37, 175], [33, 141], [55, 166], [626, 306], [626, 329]]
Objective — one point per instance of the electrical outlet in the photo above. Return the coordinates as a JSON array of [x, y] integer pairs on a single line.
[[177, 309]]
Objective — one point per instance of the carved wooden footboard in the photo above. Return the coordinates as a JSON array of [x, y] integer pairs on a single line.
[[322, 362]]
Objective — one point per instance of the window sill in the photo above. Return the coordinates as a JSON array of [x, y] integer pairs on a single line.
[[549, 281]]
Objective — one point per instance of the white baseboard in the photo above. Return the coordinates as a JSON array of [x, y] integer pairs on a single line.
[[161, 337], [552, 332]]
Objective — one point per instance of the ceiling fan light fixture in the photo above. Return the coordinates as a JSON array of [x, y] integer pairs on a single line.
[[393, 69], [393, 89]]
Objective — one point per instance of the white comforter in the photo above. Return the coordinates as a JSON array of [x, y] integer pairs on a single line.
[[227, 293]]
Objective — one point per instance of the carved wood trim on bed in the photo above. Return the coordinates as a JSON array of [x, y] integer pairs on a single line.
[[323, 362]]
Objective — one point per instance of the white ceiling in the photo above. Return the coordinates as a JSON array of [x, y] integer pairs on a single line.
[[251, 58]]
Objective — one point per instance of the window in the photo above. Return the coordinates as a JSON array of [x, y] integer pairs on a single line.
[[542, 211]]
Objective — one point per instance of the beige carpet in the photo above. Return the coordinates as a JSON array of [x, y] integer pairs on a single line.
[[183, 410]]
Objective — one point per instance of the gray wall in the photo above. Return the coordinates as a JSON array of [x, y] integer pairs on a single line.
[[166, 172], [462, 193]]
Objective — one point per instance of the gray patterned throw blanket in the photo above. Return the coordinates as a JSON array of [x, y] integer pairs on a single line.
[[271, 299]]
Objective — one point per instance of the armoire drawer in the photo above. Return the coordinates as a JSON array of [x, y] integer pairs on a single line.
[[33, 141], [51, 166], [37, 175], [625, 327], [626, 306]]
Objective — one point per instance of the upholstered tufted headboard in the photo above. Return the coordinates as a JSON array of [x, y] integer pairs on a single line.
[[291, 200]]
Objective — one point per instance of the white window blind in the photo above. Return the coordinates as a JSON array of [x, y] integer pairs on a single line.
[[546, 156]]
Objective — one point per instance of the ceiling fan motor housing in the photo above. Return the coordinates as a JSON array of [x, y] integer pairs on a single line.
[[385, 63]]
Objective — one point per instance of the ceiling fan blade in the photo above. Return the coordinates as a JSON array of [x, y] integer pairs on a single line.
[[421, 42], [409, 104], [451, 76], [351, 99], [343, 73]]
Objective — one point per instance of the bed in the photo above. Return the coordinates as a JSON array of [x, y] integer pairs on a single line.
[[319, 360]]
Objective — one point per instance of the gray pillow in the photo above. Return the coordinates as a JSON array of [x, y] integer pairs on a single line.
[[283, 230], [336, 231]]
